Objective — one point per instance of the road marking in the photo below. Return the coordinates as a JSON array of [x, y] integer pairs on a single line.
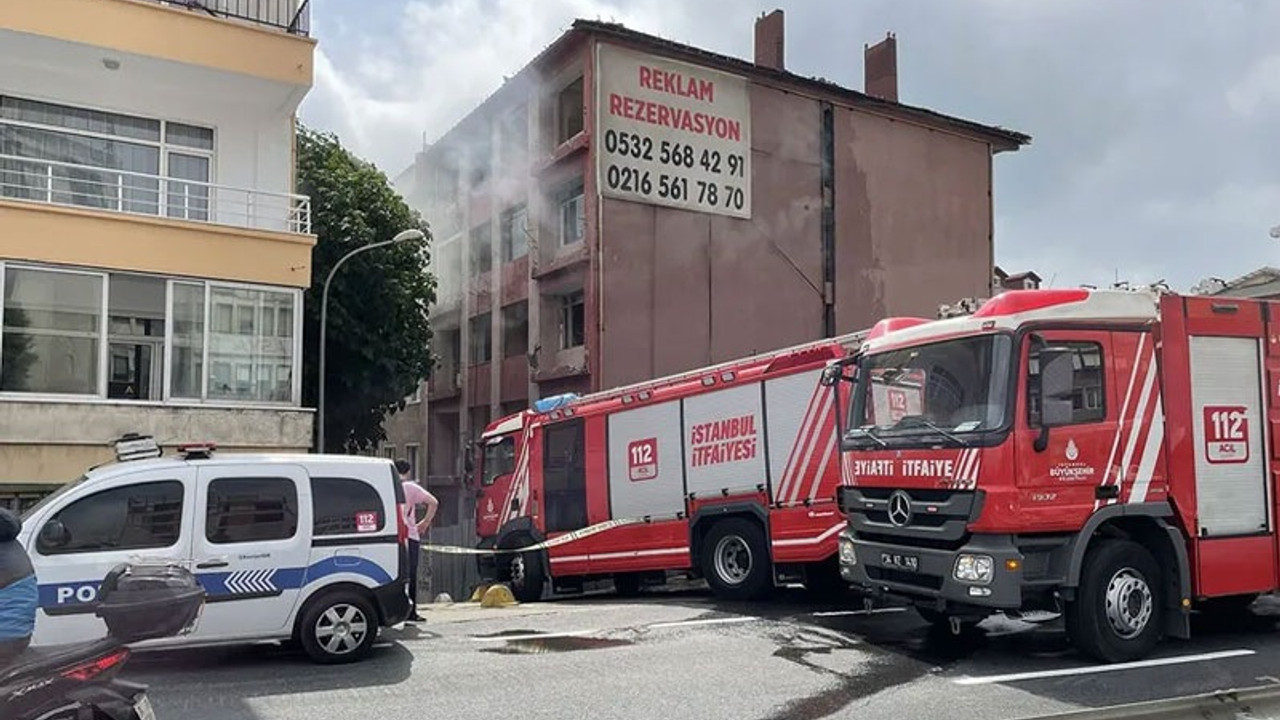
[[1158, 662], [534, 636], [707, 621], [872, 611]]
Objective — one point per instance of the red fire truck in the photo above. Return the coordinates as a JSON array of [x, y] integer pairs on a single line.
[[1104, 455], [730, 470]]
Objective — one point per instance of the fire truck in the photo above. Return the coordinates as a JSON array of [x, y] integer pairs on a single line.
[[726, 472], [1099, 455]]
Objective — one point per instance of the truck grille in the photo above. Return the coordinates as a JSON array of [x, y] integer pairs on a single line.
[[929, 582], [936, 518]]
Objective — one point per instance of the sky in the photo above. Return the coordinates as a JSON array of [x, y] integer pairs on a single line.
[[1154, 153]]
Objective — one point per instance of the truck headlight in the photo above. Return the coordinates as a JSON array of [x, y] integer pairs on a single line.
[[975, 569], [847, 554]]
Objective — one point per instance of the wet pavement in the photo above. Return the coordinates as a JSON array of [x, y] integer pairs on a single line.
[[672, 655]]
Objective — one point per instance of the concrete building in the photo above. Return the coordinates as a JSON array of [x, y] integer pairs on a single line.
[[627, 207], [152, 250]]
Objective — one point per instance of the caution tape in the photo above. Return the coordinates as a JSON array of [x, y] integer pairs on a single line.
[[553, 542]]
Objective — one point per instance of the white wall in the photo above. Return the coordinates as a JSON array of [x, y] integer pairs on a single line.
[[251, 118]]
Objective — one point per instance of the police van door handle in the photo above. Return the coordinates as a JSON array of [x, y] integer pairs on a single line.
[[210, 564]]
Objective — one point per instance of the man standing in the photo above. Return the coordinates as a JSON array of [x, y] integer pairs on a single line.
[[415, 495]]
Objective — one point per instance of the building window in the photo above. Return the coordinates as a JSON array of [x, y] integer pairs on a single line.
[[71, 332], [246, 358], [411, 456], [515, 329], [481, 155], [515, 138], [569, 107], [573, 216], [481, 250], [572, 320], [515, 228], [52, 331], [389, 452], [481, 339], [76, 156]]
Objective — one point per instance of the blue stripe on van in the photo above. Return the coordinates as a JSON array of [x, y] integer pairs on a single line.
[[227, 585]]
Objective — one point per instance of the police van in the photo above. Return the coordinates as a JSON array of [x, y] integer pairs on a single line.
[[309, 548]]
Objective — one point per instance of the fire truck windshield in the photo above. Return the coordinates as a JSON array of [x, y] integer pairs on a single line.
[[499, 459], [949, 389]]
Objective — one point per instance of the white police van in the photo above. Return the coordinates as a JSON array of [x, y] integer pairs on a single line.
[[311, 548]]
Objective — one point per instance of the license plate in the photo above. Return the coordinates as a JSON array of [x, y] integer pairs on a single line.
[[142, 709], [910, 563]]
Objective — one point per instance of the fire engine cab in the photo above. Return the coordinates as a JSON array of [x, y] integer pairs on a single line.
[[1105, 455], [728, 472]]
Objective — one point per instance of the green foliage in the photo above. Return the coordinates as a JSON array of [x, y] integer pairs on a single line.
[[378, 334]]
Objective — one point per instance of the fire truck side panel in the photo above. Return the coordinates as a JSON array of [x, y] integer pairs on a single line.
[[598, 493], [801, 437], [724, 436], [646, 467], [1235, 551], [658, 545]]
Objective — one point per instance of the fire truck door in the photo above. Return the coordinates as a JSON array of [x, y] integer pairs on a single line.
[[564, 476], [1235, 553], [1060, 482]]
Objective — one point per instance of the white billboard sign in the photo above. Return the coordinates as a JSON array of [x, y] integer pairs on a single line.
[[670, 133]]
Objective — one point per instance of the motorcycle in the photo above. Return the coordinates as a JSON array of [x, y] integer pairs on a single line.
[[79, 681]]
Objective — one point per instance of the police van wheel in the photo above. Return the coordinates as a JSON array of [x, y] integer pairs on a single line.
[[339, 627], [1118, 614], [735, 560]]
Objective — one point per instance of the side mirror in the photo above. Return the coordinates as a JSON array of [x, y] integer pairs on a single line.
[[1057, 380], [54, 534]]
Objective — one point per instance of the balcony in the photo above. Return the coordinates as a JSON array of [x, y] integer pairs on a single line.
[[67, 184], [290, 16]]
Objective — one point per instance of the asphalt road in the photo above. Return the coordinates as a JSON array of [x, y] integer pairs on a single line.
[[682, 655]]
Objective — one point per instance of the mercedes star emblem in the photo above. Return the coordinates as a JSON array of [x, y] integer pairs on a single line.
[[900, 508]]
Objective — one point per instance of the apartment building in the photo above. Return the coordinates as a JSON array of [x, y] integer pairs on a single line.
[[153, 252], [627, 207]]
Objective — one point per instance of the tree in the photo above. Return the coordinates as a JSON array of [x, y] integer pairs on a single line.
[[379, 333]]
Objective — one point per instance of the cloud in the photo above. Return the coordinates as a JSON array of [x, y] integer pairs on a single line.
[[1153, 153]]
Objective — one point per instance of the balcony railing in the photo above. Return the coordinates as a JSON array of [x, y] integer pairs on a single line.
[[290, 16], [59, 183]]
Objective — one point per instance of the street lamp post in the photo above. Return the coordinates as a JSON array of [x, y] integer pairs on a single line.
[[324, 317]]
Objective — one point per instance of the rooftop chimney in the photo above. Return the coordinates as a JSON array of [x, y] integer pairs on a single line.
[[880, 63], [769, 40]]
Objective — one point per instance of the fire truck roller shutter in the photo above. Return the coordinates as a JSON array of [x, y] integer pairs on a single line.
[[646, 475], [1231, 466], [801, 415], [724, 441]]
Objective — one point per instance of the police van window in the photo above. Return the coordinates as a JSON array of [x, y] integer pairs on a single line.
[[1087, 398], [344, 506], [133, 517], [251, 509]]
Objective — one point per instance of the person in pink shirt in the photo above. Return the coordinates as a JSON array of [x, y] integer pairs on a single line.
[[415, 495]]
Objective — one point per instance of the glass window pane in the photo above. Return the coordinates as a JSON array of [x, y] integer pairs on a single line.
[[338, 502], [243, 352], [52, 332], [188, 136], [187, 372], [244, 510], [78, 169], [95, 121], [188, 200], [134, 517]]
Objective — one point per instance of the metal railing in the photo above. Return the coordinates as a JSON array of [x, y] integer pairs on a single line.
[[69, 184], [291, 16]]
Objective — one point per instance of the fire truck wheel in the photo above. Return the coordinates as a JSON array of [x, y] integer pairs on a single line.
[[735, 559], [526, 574], [1118, 613]]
